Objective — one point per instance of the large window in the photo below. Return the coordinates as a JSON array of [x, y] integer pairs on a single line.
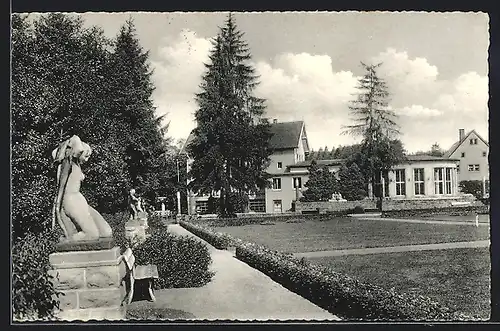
[[297, 182], [447, 181], [438, 180], [473, 167], [276, 183], [418, 176], [443, 180], [400, 182], [258, 205]]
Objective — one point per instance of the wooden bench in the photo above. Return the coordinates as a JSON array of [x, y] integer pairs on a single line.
[[140, 276]]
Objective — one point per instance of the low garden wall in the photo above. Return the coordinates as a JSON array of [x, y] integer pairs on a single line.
[[334, 206]]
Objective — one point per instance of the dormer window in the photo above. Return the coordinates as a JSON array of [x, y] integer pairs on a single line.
[[280, 165]]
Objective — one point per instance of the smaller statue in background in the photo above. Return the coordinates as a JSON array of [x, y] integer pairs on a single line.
[[135, 204]]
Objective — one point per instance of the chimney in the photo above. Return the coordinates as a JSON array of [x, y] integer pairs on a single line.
[[461, 134], [275, 120]]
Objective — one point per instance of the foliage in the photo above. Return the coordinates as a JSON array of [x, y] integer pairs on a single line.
[[321, 184], [339, 294], [435, 150], [351, 182], [375, 121], [33, 293], [216, 239], [474, 187], [68, 79], [231, 144], [181, 261]]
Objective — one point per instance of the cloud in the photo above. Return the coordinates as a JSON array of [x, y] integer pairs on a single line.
[[178, 69], [304, 86], [418, 111]]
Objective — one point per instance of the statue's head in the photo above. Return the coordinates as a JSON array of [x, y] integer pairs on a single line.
[[72, 148]]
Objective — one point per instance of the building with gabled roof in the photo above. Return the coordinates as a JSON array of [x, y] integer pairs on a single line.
[[419, 176], [472, 152]]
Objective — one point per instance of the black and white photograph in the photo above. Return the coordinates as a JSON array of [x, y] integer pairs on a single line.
[[328, 166]]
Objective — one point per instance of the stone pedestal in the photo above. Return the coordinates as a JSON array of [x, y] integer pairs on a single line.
[[92, 282]]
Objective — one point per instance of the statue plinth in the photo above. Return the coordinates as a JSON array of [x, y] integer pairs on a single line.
[[92, 282], [85, 245]]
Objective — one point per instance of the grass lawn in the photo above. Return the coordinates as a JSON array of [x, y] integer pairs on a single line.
[[345, 233], [457, 278]]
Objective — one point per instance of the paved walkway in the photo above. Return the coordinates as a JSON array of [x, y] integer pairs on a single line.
[[404, 220], [237, 292], [396, 249]]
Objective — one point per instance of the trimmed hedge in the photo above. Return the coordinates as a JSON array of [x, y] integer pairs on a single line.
[[341, 295], [452, 211], [216, 239], [33, 294], [182, 261]]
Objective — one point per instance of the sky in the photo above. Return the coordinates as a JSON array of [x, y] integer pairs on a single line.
[[435, 65]]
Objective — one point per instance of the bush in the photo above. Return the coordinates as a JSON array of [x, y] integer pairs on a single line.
[[117, 223], [216, 239], [474, 187], [339, 294], [181, 261], [34, 295], [358, 210]]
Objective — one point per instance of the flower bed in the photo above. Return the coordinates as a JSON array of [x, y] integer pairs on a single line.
[[339, 294]]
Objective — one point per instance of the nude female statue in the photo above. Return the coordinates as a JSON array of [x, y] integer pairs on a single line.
[[78, 220]]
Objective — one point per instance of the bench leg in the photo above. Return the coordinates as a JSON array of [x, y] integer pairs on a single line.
[[150, 289], [131, 293]]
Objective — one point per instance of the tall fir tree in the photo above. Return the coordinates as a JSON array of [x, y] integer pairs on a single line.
[[376, 123], [231, 145], [321, 183], [141, 132]]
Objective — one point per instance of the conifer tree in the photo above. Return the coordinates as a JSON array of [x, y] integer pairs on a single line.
[[376, 123], [231, 144], [320, 185]]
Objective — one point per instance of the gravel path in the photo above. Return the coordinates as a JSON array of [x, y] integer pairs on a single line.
[[237, 292]]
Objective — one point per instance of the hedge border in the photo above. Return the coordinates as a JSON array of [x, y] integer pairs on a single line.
[[339, 294]]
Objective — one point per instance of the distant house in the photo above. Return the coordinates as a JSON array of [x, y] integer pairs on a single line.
[[418, 176], [472, 151]]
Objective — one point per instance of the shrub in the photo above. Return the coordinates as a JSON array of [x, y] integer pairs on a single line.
[[340, 294], [358, 210], [216, 239], [321, 184], [351, 182], [181, 261], [34, 295], [474, 187]]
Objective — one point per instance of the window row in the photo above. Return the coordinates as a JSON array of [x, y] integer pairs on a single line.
[[463, 154], [297, 183], [442, 181]]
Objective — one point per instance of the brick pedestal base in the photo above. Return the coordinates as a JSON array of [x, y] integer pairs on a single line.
[[92, 283]]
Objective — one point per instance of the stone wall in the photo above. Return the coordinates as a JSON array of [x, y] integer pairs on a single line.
[[430, 203], [333, 206]]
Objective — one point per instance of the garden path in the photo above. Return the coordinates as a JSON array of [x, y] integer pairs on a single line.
[[388, 219], [396, 249], [237, 292]]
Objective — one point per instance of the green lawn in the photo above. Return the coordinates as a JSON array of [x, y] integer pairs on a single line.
[[457, 278], [344, 233]]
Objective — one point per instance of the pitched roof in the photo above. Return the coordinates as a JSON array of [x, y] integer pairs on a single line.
[[307, 163], [284, 135], [416, 158], [454, 147]]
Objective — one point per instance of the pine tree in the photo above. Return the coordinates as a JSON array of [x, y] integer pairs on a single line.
[[321, 184], [351, 182], [375, 121], [140, 131], [231, 144]]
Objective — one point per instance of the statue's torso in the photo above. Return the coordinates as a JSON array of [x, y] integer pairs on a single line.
[[74, 180]]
